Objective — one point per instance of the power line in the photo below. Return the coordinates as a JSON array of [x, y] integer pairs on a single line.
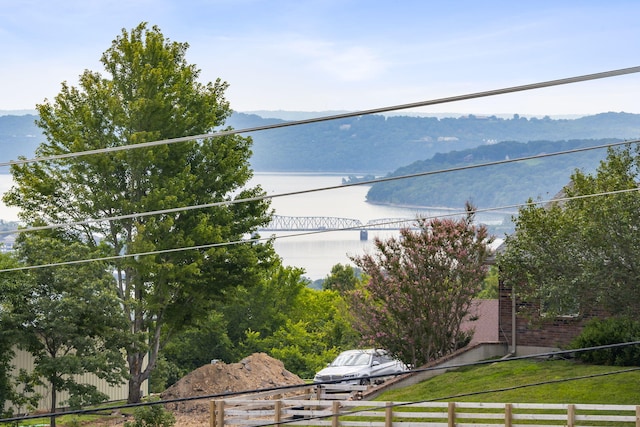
[[332, 187], [432, 368], [475, 364], [255, 240], [456, 396], [333, 117], [464, 97]]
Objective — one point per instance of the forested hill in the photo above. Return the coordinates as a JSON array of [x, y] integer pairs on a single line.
[[382, 144], [371, 144], [19, 136], [500, 185]]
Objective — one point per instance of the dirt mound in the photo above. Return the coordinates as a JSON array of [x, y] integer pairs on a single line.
[[258, 371]]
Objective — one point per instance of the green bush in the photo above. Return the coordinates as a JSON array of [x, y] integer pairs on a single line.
[[152, 416], [613, 330]]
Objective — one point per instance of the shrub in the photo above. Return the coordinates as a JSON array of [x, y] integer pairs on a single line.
[[152, 416], [613, 330]]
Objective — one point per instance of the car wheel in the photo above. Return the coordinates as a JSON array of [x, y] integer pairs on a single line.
[[365, 381]]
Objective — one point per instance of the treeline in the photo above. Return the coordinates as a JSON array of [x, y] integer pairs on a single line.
[[378, 144], [492, 186]]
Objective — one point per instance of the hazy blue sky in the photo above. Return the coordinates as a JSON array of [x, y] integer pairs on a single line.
[[344, 54]]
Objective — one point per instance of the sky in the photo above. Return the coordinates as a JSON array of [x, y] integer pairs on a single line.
[[344, 55]]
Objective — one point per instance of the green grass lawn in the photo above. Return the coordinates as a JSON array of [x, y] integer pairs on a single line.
[[456, 385]]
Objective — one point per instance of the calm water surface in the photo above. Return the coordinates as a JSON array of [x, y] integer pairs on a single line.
[[319, 252], [315, 253]]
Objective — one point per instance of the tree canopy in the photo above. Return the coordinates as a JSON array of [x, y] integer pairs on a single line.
[[150, 93], [69, 319], [421, 287], [303, 327], [580, 254]]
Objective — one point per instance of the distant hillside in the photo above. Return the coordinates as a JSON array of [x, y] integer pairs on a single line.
[[369, 144], [382, 144], [19, 136], [494, 186]]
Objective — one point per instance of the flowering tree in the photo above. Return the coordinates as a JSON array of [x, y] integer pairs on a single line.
[[421, 287]]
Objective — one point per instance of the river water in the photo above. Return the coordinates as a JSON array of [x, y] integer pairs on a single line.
[[317, 252]]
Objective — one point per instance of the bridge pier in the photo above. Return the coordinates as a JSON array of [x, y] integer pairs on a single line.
[[364, 235]]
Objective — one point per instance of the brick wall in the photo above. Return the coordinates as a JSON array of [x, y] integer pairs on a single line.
[[532, 331]]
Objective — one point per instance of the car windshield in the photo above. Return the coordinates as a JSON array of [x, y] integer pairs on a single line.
[[352, 359]]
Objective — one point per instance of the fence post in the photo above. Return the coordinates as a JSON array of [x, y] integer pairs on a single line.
[[217, 413], [508, 410], [388, 415], [637, 416], [571, 415], [277, 408], [335, 409], [452, 414]]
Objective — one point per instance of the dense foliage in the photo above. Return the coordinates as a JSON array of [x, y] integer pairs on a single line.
[[9, 284], [603, 332], [421, 287], [344, 279], [151, 416], [305, 328], [579, 256], [68, 318], [151, 93], [499, 185]]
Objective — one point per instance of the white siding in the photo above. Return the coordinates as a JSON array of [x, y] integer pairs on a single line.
[[24, 360]]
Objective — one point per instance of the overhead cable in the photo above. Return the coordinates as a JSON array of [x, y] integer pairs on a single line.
[[546, 355], [308, 233], [494, 92], [313, 190]]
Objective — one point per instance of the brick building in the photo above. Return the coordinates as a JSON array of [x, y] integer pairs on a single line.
[[533, 334]]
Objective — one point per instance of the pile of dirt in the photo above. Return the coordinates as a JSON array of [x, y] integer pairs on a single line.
[[258, 371]]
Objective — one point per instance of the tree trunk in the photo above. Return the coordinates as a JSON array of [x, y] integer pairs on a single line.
[[135, 377], [135, 392], [54, 403]]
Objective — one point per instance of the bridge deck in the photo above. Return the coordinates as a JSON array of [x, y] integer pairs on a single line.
[[316, 223]]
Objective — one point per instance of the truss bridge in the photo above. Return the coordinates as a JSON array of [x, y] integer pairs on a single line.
[[321, 223]]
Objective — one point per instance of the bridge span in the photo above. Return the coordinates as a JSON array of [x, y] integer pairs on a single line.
[[322, 223]]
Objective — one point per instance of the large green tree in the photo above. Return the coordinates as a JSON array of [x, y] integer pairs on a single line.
[[421, 287], [149, 93], [583, 254], [303, 327], [343, 278], [68, 318]]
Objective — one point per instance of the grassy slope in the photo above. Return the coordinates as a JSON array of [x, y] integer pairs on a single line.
[[618, 389]]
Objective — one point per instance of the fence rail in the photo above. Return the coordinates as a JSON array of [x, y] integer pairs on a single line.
[[334, 413]]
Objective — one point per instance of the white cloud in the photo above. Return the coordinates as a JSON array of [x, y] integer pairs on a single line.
[[344, 63]]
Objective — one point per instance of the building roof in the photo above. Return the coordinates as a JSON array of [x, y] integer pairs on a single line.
[[483, 320]]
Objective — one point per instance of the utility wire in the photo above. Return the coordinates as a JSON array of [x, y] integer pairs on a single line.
[[313, 190], [450, 397], [333, 117], [513, 89], [546, 355], [494, 92], [256, 240]]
